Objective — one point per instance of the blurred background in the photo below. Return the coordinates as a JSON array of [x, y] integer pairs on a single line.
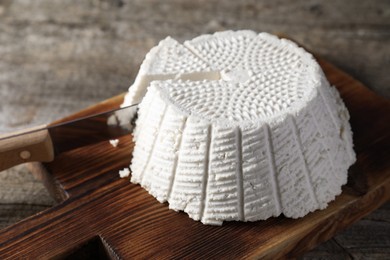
[[57, 57]]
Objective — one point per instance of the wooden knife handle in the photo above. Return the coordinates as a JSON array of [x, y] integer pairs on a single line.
[[27, 146]]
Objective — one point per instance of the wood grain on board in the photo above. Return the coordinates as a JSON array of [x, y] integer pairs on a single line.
[[99, 213]]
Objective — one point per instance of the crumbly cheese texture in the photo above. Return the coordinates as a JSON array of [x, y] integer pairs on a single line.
[[238, 126]]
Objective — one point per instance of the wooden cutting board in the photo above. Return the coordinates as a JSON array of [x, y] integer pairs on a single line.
[[102, 216]]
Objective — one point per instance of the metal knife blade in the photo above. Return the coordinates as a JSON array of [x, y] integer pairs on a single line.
[[43, 143], [91, 129]]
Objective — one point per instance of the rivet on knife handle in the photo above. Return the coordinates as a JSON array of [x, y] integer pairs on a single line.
[[20, 148]]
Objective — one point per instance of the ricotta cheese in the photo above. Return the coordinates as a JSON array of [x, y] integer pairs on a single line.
[[238, 126], [114, 142], [124, 173]]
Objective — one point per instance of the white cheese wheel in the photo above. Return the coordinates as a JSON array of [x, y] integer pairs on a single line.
[[238, 126]]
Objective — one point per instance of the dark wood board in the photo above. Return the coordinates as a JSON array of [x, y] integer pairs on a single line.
[[101, 214]]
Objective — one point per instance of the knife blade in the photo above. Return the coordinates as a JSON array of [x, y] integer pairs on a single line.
[[43, 143]]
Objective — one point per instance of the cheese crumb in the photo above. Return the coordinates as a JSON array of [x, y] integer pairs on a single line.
[[112, 120], [124, 173], [114, 142]]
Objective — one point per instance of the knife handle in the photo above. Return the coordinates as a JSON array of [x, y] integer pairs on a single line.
[[28, 145]]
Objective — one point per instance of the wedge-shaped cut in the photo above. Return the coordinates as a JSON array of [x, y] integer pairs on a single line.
[[168, 60]]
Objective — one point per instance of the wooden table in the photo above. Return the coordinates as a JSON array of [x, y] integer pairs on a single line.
[[57, 58]]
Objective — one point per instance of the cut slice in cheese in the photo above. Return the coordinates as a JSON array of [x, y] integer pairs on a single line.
[[238, 126], [168, 60]]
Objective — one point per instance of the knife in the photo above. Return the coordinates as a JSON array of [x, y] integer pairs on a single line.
[[43, 143]]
